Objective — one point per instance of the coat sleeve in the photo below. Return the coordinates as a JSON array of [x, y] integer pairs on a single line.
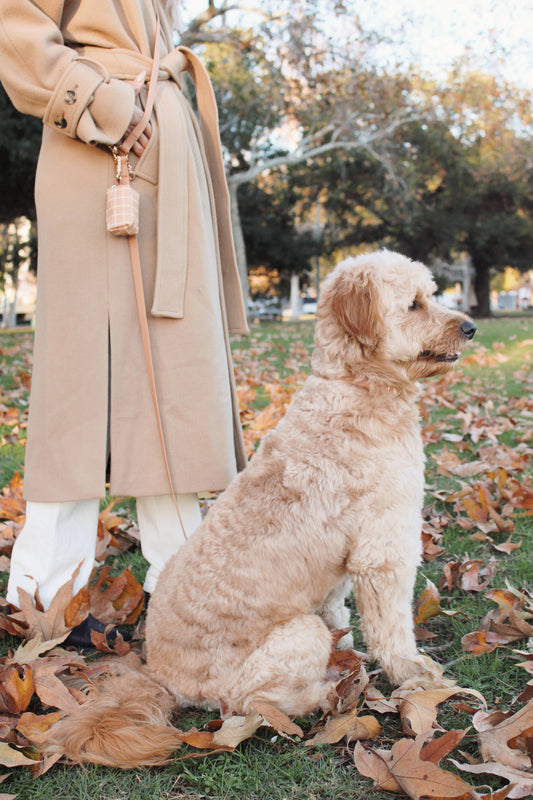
[[44, 77]]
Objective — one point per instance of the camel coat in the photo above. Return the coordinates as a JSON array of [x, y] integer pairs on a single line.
[[71, 62]]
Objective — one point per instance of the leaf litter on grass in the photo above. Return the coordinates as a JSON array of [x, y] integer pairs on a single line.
[[466, 430]]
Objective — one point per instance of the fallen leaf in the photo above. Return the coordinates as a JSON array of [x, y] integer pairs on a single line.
[[11, 757], [348, 725], [418, 709], [276, 719], [436, 749], [373, 765], [31, 650], [116, 600], [16, 688], [506, 547], [428, 605], [12, 504], [229, 735], [35, 726], [420, 778], [117, 646], [376, 701], [78, 608], [236, 729], [479, 642], [48, 625], [521, 782], [51, 691], [494, 741]]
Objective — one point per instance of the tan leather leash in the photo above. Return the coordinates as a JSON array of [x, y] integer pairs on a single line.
[[135, 258]]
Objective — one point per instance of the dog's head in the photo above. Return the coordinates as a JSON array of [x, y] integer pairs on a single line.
[[379, 308]]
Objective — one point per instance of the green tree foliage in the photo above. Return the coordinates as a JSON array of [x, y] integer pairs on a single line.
[[20, 139], [271, 233]]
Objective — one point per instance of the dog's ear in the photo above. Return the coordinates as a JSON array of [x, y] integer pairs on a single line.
[[357, 306]]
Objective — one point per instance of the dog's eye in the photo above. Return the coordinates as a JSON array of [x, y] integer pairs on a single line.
[[414, 305]]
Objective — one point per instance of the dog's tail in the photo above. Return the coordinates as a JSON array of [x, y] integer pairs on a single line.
[[124, 723]]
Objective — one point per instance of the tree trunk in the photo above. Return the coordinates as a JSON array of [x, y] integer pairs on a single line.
[[10, 304], [238, 239], [295, 297], [482, 289]]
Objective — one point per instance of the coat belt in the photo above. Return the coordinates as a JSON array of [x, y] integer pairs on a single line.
[[172, 198]]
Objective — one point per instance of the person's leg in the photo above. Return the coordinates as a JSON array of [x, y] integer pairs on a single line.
[[55, 540], [161, 531]]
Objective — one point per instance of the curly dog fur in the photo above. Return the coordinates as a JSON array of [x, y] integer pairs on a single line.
[[331, 500]]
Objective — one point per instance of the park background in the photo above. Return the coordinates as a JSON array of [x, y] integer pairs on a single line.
[[346, 126]]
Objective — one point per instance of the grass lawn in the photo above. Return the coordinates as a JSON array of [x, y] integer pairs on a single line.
[[477, 426]]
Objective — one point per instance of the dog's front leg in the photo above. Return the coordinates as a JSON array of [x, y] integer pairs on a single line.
[[383, 594], [334, 613]]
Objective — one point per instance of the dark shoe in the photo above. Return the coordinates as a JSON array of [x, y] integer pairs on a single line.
[[80, 636]]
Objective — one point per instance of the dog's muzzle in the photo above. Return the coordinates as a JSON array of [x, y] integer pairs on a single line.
[[467, 329]]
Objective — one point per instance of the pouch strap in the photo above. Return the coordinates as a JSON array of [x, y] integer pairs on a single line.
[[137, 272], [128, 143]]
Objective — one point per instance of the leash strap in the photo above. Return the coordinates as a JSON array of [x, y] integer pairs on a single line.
[[135, 258]]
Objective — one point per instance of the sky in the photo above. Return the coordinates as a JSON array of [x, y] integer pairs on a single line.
[[497, 34]]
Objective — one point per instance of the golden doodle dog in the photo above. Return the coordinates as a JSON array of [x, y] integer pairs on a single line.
[[332, 499]]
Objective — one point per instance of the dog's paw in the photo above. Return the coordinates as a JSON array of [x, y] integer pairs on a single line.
[[346, 643], [418, 671]]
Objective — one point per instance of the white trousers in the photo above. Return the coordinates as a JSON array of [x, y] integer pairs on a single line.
[[57, 537]]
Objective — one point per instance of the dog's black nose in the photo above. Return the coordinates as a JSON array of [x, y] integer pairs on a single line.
[[468, 329]]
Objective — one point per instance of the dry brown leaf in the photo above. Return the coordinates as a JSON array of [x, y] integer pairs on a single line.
[[108, 530], [14, 624], [228, 736], [16, 688], [236, 729], [116, 600], [11, 757], [508, 601], [373, 764], [349, 688], [520, 782], [430, 549], [479, 642], [47, 625], [51, 691], [485, 720], [203, 740], [420, 778], [78, 608], [499, 794], [376, 701], [30, 651], [494, 741], [506, 547], [12, 504], [350, 725], [472, 570], [43, 766], [35, 726], [418, 710], [467, 574], [436, 749], [428, 605], [276, 719], [117, 646]]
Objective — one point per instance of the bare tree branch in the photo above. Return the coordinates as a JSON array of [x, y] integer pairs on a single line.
[[307, 150]]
